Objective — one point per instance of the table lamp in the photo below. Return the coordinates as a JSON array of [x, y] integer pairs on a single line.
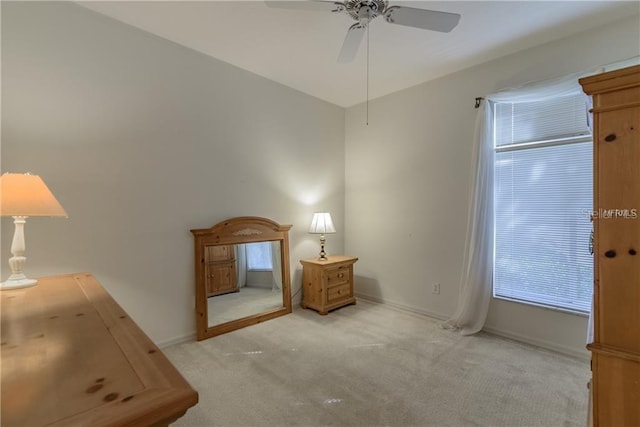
[[322, 224], [22, 196]]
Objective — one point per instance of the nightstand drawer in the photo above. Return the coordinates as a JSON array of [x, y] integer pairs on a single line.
[[338, 275], [338, 292]]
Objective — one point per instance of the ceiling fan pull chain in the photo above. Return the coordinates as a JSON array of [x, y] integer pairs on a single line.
[[367, 75]]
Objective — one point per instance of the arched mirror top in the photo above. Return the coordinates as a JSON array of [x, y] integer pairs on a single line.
[[222, 273], [244, 229]]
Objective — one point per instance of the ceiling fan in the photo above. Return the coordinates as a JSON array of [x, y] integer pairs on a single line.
[[364, 11]]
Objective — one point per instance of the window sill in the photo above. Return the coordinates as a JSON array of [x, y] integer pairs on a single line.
[[546, 307]]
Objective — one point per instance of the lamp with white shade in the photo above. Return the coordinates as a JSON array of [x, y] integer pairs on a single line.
[[322, 224], [22, 196]]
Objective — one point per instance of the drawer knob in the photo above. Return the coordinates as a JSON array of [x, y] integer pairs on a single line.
[[610, 254], [611, 137], [340, 275]]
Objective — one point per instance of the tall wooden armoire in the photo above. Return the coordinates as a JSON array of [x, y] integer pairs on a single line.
[[615, 351], [220, 270]]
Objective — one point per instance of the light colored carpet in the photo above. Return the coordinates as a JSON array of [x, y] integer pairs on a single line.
[[373, 365]]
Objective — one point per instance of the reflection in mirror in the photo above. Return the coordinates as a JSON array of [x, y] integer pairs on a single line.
[[242, 274], [242, 280]]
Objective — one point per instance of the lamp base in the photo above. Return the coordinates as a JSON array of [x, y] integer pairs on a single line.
[[17, 283], [323, 254], [17, 279]]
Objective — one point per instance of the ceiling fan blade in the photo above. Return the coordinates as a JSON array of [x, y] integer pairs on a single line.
[[351, 43], [325, 6], [422, 18]]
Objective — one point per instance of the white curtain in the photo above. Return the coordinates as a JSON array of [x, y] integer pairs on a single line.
[[477, 272], [276, 263], [241, 264]]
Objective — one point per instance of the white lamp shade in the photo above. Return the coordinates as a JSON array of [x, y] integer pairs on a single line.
[[27, 195], [322, 223]]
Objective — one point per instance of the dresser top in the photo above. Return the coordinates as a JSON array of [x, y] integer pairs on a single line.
[[331, 259], [72, 356]]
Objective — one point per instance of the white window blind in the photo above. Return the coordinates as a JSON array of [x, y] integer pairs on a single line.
[[259, 256], [543, 196], [557, 118]]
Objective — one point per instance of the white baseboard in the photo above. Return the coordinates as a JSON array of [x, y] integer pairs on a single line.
[[402, 307], [176, 340], [583, 355], [567, 351]]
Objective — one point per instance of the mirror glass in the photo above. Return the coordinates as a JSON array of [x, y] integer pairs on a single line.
[[241, 273], [242, 280]]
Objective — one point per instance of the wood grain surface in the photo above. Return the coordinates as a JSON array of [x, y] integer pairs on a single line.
[[72, 356]]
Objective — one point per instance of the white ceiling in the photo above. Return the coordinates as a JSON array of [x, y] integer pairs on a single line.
[[299, 48]]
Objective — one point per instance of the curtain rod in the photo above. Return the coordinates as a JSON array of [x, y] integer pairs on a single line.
[[634, 60]]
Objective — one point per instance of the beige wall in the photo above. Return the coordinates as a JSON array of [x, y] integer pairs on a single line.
[[408, 179], [142, 140]]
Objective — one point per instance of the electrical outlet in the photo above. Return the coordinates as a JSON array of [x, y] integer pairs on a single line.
[[435, 288]]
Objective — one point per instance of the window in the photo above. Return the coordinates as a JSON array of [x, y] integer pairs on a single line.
[[543, 197], [259, 256]]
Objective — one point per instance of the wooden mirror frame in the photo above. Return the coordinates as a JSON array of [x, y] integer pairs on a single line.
[[246, 229]]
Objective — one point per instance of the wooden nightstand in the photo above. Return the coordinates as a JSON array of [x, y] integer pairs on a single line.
[[328, 284]]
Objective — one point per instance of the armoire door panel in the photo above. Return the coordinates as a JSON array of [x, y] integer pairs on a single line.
[[616, 311]]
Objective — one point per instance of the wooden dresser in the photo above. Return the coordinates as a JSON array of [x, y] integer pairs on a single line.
[[220, 270], [616, 218], [72, 357], [327, 285]]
